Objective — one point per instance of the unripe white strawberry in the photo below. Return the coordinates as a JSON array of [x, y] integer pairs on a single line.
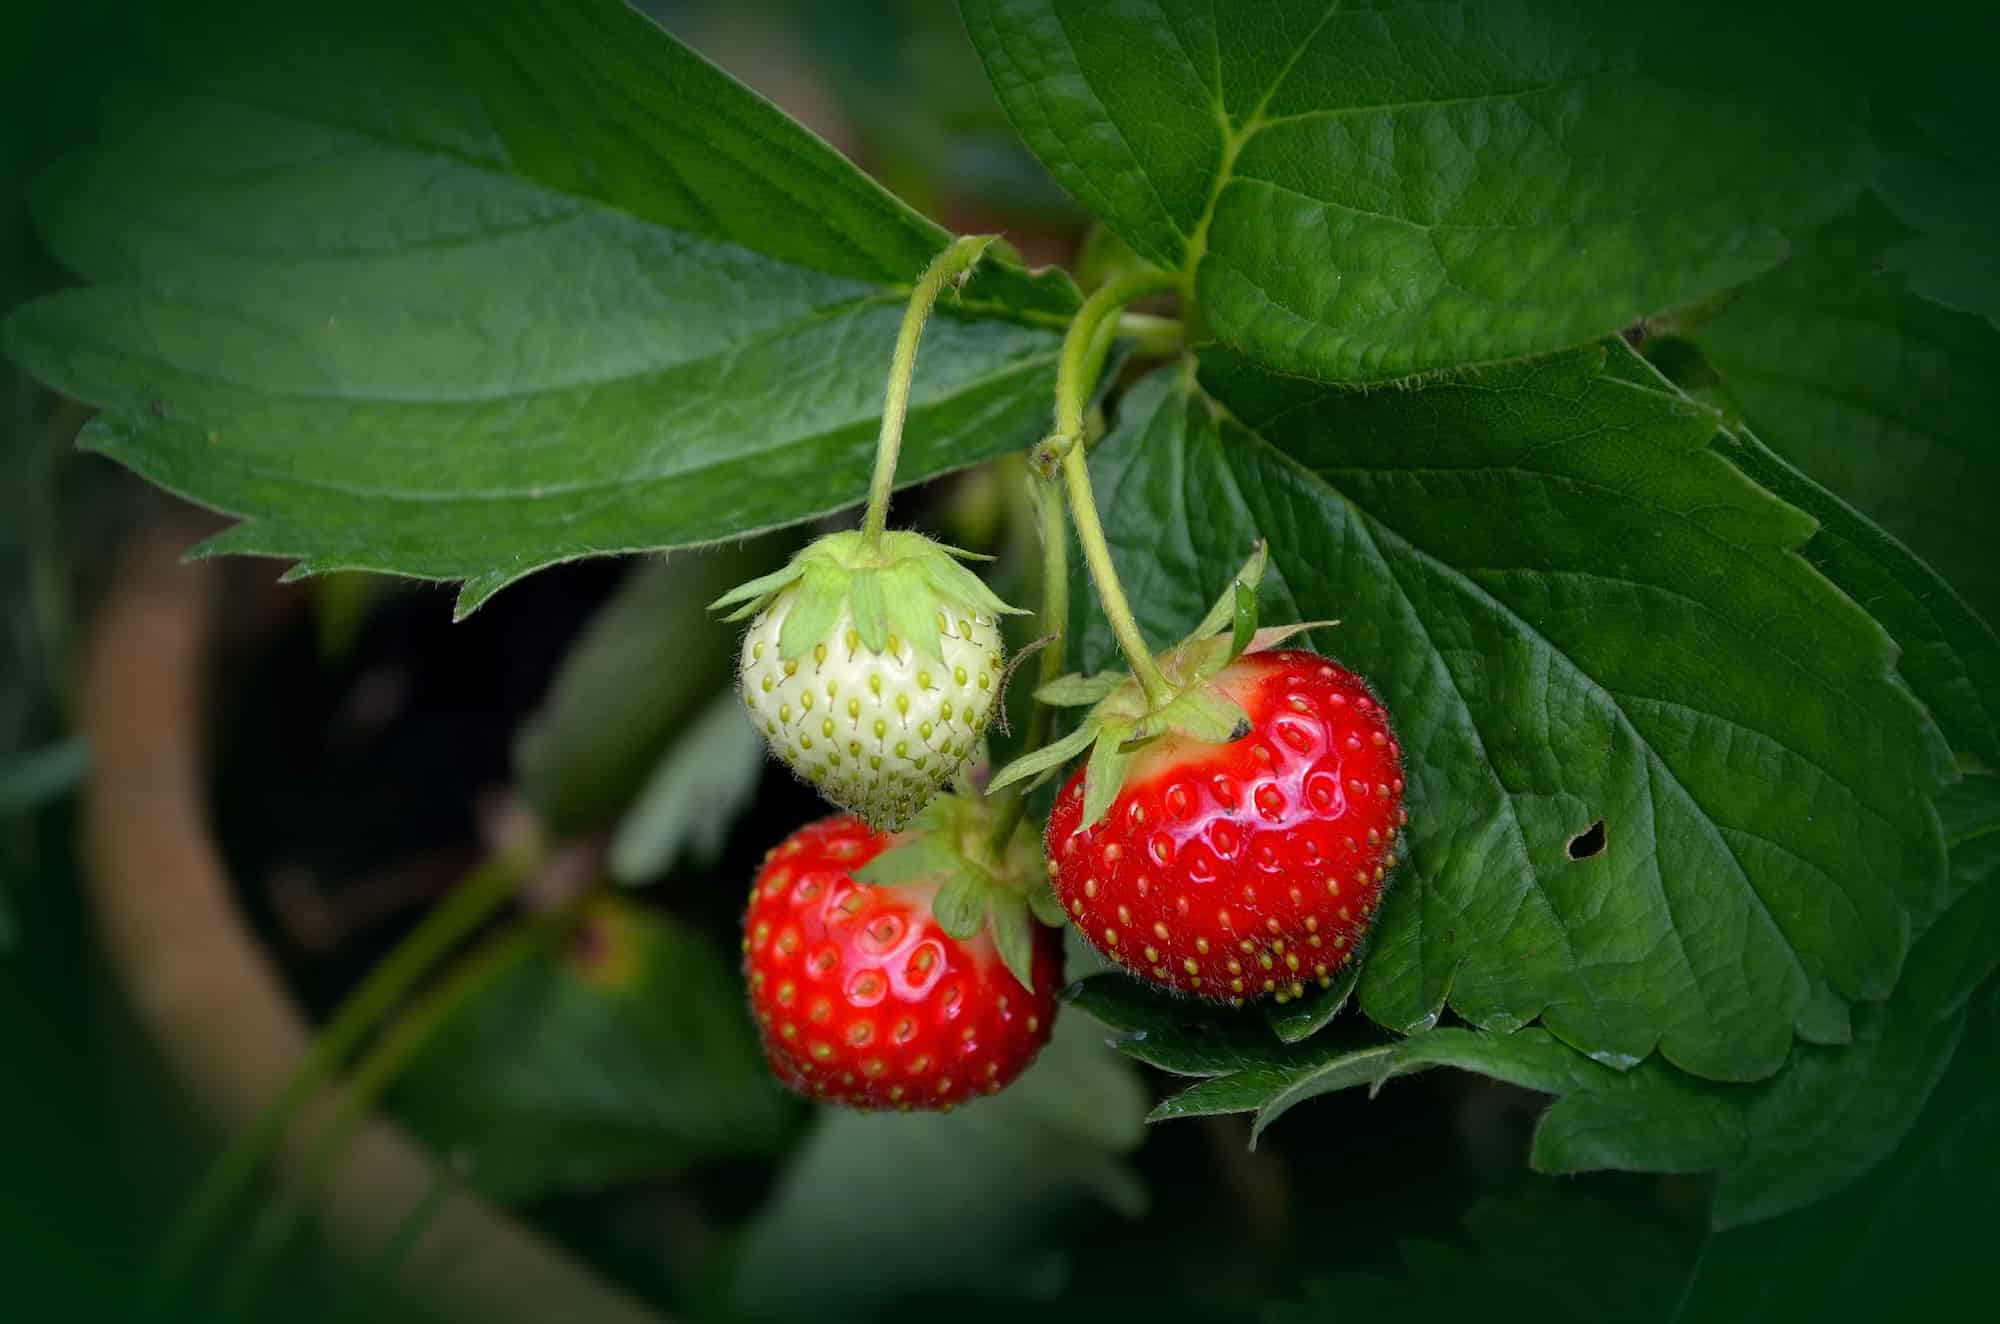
[[872, 670]]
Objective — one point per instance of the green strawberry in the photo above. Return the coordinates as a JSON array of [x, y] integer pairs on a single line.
[[872, 670]]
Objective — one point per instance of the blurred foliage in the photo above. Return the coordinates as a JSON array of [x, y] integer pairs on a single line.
[[648, 662], [985, 1199], [624, 1054]]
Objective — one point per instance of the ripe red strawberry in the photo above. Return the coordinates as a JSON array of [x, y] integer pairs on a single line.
[[862, 997], [1247, 868]]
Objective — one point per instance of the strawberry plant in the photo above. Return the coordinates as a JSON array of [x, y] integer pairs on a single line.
[[1474, 563]]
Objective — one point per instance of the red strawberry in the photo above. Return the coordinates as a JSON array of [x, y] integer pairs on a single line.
[[1239, 869], [862, 997]]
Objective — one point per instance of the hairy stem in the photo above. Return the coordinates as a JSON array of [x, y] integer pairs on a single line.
[[208, 1208], [1054, 619], [1083, 353], [952, 264]]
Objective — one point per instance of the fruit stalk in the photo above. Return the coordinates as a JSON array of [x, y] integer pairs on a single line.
[[1083, 355], [953, 264], [1054, 619]]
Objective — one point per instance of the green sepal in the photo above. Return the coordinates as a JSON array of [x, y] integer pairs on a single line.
[[1013, 933], [1046, 906], [1264, 640], [1076, 690], [1051, 755], [1246, 620], [1202, 712], [955, 583], [912, 606], [961, 904], [817, 602], [753, 594], [871, 610], [922, 859], [1228, 608], [1105, 774]]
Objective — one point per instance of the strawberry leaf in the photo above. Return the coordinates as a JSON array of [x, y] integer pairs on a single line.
[[1666, 663], [460, 290], [1303, 1017], [1366, 193], [1881, 395]]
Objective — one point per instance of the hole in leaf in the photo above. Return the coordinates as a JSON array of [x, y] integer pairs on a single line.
[[1588, 842]]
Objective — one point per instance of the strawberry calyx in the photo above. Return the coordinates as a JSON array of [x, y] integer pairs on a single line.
[[1005, 890], [1122, 720], [897, 586]]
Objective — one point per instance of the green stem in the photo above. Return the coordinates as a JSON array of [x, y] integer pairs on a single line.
[[371, 1079], [1083, 353], [1153, 337], [469, 905], [1055, 623], [957, 259]]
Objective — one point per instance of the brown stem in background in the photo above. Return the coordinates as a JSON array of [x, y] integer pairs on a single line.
[[210, 996]]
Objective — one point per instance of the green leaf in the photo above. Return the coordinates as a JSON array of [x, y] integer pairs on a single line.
[[644, 667], [697, 791], [1545, 1253], [1880, 394], [855, 1225], [1365, 193], [1833, 1113], [1944, 186], [1577, 610], [1910, 1239], [1949, 656], [33, 779], [1103, 776], [462, 290], [624, 1055], [960, 904], [1052, 755], [1176, 1034], [1302, 1018]]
